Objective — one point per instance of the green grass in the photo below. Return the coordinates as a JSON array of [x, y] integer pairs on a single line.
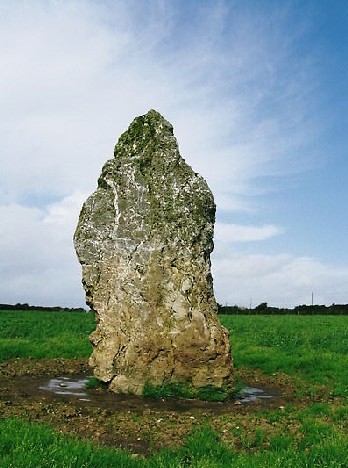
[[45, 335], [93, 382], [181, 390], [314, 349], [26, 445], [306, 433]]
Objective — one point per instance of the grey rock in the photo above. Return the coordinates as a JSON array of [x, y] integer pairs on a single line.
[[144, 239]]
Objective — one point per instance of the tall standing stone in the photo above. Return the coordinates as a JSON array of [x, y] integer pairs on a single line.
[[144, 240]]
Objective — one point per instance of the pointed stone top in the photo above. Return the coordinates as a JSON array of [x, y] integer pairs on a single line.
[[152, 113], [149, 129], [153, 119]]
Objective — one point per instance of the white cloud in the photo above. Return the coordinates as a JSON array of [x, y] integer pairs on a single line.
[[281, 280], [238, 233], [65, 213], [38, 262]]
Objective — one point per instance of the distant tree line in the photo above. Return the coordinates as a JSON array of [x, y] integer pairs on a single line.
[[264, 309], [40, 308], [261, 309]]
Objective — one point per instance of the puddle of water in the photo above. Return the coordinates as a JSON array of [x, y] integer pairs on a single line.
[[75, 387], [251, 394], [67, 386]]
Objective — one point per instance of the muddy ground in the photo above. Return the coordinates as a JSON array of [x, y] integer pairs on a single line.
[[30, 389]]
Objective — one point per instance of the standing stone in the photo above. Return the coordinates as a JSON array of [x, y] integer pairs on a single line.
[[144, 240]]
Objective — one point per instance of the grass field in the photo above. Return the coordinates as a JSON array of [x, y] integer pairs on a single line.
[[310, 431], [45, 335], [314, 349]]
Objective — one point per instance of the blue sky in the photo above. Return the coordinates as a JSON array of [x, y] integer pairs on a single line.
[[257, 94]]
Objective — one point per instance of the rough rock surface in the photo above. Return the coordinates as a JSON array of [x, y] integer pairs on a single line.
[[144, 240]]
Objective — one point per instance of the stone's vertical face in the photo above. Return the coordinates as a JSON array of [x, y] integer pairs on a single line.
[[144, 240]]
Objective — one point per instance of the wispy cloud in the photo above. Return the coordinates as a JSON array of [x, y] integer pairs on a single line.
[[73, 78], [239, 233], [74, 74]]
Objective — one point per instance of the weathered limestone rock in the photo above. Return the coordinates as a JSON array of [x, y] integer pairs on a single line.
[[144, 240]]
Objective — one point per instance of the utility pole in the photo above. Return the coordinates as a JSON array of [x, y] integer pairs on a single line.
[[312, 298]]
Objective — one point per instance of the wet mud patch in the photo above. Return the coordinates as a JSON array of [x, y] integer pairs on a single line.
[[54, 392], [74, 386]]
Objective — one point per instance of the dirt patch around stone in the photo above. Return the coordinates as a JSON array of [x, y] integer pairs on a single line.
[[53, 392]]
